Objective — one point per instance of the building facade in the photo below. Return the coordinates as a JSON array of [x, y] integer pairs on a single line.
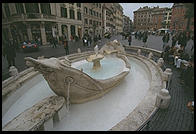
[[28, 21], [143, 18], [167, 18], [154, 18], [92, 22], [126, 24], [178, 20], [118, 18], [108, 18], [159, 18]]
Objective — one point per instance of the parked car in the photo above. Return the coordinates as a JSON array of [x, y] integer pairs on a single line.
[[28, 46]]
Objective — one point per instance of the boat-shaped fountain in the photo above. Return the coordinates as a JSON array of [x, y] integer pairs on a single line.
[[107, 89], [67, 81]]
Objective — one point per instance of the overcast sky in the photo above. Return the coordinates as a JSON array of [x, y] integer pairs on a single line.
[[128, 8]]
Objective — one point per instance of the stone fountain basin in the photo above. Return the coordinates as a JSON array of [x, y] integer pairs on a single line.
[[126, 107], [83, 87]]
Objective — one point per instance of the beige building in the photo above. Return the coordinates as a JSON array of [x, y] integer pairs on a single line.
[[127, 24], [92, 21], [118, 18], [167, 18], [108, 18], [28, 21]]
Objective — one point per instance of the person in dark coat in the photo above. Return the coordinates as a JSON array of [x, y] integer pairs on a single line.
[[54, 42], [10, 52], [66, 46], [165, 39], [180, 38], [184, 39], [89, 40], [130, 39], [166, 53], [136, 35], [174, 40], [145, 37]]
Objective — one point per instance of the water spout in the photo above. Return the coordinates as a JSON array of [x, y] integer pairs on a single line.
[[68, 81]]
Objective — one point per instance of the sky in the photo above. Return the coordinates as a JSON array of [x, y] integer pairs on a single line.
[[128, 8]]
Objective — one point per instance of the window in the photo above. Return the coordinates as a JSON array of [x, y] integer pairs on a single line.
[[86, 21], [91, 12], [31, 7], [73, 32], [86, 10], [90, 22], [45, 8], [100, 15], [3, 17], [99, 5], [94, 13], [79, 16], [19, 8], [63, 12], [78, 4], [100, 23], [72, 15]]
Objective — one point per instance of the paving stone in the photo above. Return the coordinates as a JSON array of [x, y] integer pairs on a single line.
[[177, 117]]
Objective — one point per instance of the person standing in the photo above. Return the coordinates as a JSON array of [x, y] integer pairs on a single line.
[[136, 35], [54, 41], [174, 40], [66, 46], [165, 39], [145, 37], [10, 52], [130, 39], [89, 40], [184, 40]]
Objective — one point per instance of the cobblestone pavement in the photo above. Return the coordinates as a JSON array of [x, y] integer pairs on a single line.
[[177, 117]]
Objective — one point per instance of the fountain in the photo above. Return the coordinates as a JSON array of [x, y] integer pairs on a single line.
[[67, 81], [95, 58], [129, 84]]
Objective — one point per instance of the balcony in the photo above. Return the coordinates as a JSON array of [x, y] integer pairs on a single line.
[[45, 16], [24, 17], [40, 16], [16, 17], [34, 16]]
